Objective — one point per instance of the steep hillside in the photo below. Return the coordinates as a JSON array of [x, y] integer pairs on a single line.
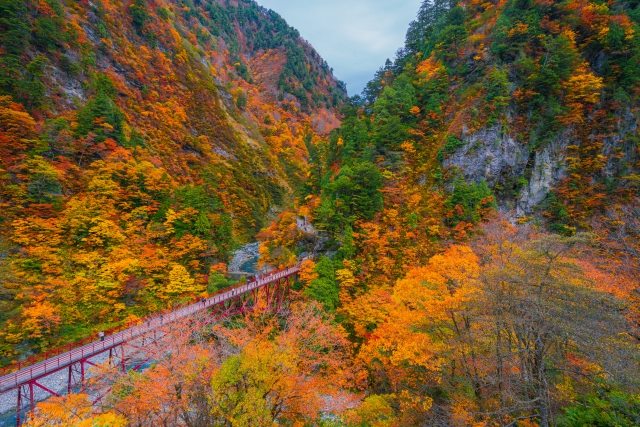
[[472, 224], [476, 214], [527, 106], [538, 99], [140, 141]]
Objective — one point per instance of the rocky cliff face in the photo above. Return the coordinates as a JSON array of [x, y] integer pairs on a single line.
[[538, 99], [524, 176]]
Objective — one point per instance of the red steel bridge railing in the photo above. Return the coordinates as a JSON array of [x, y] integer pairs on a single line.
[[28, 376]]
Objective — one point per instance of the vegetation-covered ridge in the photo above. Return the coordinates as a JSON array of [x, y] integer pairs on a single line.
[[526, 109], [476, 221], [140, 142]]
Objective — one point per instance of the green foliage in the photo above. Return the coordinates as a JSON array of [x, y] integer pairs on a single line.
[[468, 201], [44, 186], [452, 145], [164, 13], [606, 408], [241, 102], [14, 27], [102, 117], [217, 281], [139, 15], [356, 191], [353, 195], [347, 244], [48, 31], [242, 70], [559, 218], [355, 135], [264, 30], [424, 31], [209, 208], [452, 35], [30, 89], [325, 288], [20, 77], [391, 112], [498, 89], [241, 393]]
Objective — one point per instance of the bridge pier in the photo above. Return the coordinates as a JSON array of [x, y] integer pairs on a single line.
[[26, 401], [220, 306]]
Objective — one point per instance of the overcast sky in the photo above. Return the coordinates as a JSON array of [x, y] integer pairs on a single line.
[[354, 36]]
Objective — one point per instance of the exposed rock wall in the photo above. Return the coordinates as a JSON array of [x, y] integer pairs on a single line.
[[494, 155]]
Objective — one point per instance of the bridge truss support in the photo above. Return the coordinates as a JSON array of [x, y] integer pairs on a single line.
[[120, 350]]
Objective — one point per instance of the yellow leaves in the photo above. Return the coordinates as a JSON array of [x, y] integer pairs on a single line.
[[72, 410], [582, 90], [583, 86], [411, 344], [375, 411], [366, 311], [430, 68], [36, 231], [188, 246], [177, 39], [180, 283], [171, 113], [408, 148], [277, 238], [307, 272], [281, 375], [412, 402], [15, 122], [346, 277], [565, 389], [443, 285], [103, 232], [187, 215], [463, 411], [569, 34], [39, 319], [103, 186], [518, 29]]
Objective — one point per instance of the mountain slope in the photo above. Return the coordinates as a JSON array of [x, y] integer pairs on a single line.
[[542, 99], [140, 142], [476, 214]]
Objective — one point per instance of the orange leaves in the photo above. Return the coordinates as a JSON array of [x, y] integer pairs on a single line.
[[277, 373], [442, 286], [307, 272], [423, 305], [583, 86], [17, 127], [180, 284], [593, 16], [582, 90], [518, 29], [430, 68], [366, 311], [36, 232], [74, 409], [40, 319], [278, 239]]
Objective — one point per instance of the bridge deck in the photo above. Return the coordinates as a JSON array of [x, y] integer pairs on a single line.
[[64, 360]]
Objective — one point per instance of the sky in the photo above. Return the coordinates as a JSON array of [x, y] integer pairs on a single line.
[[355, 37]]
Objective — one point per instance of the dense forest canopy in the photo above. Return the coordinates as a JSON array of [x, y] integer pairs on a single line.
[[467, 229], [141, 143]]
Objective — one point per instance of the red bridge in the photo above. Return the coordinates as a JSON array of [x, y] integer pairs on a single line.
[[25, 381]]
